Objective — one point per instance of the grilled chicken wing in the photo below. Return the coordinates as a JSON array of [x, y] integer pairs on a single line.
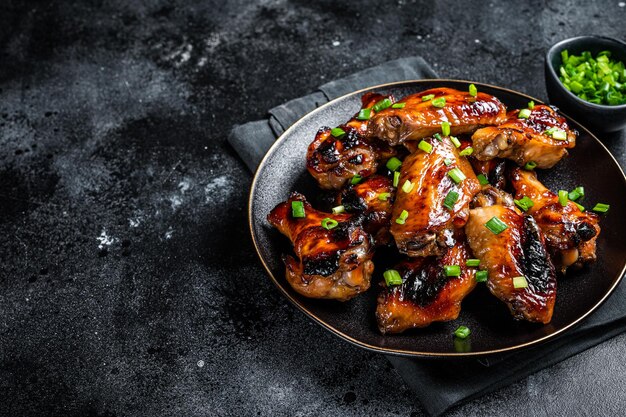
[[373, 199], [525, 140], [426, 295], [428, 228], [334, 264], [333, 160], [419, 119], [570, 234], [517, 251], [494, 170]]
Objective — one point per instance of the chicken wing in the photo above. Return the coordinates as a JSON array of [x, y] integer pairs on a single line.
[[543, 137], [426, 294], [570, 234], [420, 118], [427, 227], [335, 264], [517, 251]]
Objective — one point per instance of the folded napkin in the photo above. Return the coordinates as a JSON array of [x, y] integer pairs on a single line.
[[438, 384]]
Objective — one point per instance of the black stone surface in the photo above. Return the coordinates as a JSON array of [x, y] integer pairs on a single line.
[[128, 282]]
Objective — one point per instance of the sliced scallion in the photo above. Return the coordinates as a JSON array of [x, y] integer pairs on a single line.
[[456, 175], [531, 104], [339, 209], [384, 196], [496, 226], [425, 146], [396, 178], [364, 114], [439, 102], [563, 197], [481, 276], [356, 179], [455, 141], [450, 200], [448, 162], [392, 277], [398, 105], [393, 164], [452, 270], [482, 179], [337, 131], [524, 203], [524, 114], [382, 105], [601, 208], [445, 128], [462, 332], [297, 209], [329, 223], [472, 262], [520, 282], [403, 216], [576, 193], [428, 97], [407, 187], [530, 166], [473, 90], [467, 151]]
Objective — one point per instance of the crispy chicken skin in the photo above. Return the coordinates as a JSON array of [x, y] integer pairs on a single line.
[[333, 264], [570, 234], [365, 198], [428, 228], [426, 295], [494, 170], [517, 251], [419, 119], [525, 140], [333, 161]]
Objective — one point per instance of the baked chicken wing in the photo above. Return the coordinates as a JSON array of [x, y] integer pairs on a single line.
[[336, 263]]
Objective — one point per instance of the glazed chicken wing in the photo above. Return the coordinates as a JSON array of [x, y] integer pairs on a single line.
[[426, 294], [334, 160], [419, 119], [517, 251], [425, 182], [570, 234], [335, 264], [543, 138]]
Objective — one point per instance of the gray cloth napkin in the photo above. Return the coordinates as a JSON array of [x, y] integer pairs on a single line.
[[438, 384]]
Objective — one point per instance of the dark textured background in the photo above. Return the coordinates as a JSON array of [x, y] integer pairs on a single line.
[[128, 282]]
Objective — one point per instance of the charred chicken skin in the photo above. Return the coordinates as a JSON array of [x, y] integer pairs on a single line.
[[425, 181], [426, 294], [333, 264], [334, 160], [420, 118], [517, 251], [570, 234], [543, 137]]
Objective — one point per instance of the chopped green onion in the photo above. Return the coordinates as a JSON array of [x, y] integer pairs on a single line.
[[530, 166], [329, 223], [462, 332], [531, 104], [581, 208], [563, 197], [382, 105], [356, 179], [448, 162], [428, 97], [403, 216], [396, 178], [576, 193], [337, 131], [452, 270], [601, 208], [472, 262], [524, 114], [456, 141], [450, 199], [364, 114], [467, 151], [384, 196], [496, 226], [439, 102], [473, 90], [393, 163], [481, 276], [456, 175], [438, 137], [524, 203], [392, 277], [482, 179], [339, 209], [425, 146], [559, 135], [445, 128], [520, 282], [407, 187], [297, 209], [398, 105]]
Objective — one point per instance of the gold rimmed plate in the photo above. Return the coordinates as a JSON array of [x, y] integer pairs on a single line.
[[590, 164]]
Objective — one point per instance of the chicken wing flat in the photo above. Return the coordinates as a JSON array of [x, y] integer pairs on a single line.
[[570, 233], [420, 118], [372, 198], [334, 264], [517, 251], [494, 170], [334, 160], [426, 294], [425, 182], [543, 137]]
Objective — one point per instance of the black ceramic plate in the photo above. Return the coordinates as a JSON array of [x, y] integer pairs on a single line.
[[493, 330]]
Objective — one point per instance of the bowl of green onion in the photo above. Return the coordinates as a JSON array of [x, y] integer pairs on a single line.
[[586, 79]]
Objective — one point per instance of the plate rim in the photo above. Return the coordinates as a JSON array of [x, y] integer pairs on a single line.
[[403, 352]]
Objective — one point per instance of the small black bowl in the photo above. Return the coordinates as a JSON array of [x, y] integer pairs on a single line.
[[601, 118]]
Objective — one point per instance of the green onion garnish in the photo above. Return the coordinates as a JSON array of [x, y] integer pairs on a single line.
[[563, 197], [576, 193], [482, 179], [473, 90], [297, 209], [384, 196], [392, 277], [481, 276], [559, 135], [329, 223], [496, 226], [438, 137], [425, 146], [339, 209], [403, 216], [382, 105], [520, 282], [450, 199], [456, 175], [581, 208], [448, 162], [407, 187], [456, 141], [445, 128], [467, 151], [524, 203], [356, 179], [452, 270], [396, 178], [398, 105], [337, 131], [364, 114], [472, 262], [439, 102], [601, 208], [428, 97], [530, 166], [393, 164], [524, 114], [531, 104], [462, 332]]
